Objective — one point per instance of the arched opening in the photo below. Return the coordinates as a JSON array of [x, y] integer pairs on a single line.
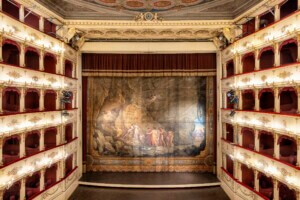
[[32, 185], [32, 143], [288, 52], [68, 68], [50, 100], [247, 176], [11, 53], [230, 68], [265, 186], [266, 143], [13, 193], [229, 165], [11, 149], [229, 132], [248, 100], [288, 150], [11, 8], [266, 19], [50, 176], [68, 132], [50, 138], [248, 138], [286, 193], [69, 165], [248, 63], [288, 100], [267, 58], [32, 100], [288, 7], [11, 100], [68, 106], [49, 63], [266, 100], [32, 59]]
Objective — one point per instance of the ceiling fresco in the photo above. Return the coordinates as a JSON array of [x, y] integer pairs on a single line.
[[167, 9]]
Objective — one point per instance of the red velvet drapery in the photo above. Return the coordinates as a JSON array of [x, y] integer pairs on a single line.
[[127, 63]]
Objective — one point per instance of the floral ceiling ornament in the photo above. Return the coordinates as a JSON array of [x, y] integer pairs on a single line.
[[148, 16]]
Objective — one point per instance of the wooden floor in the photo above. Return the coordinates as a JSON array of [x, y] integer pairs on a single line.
[[161, 180], [96, 193]]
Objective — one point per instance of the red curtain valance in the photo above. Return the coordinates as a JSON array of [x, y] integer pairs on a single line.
[[265, 90], [290, 41], [142, 62], [247, 129], [264, 50], [32, 49], [33, 90], [51, 129], [265, 133], [8, 41], [251, 54], [285, 137], [248, 92], [11, 89]]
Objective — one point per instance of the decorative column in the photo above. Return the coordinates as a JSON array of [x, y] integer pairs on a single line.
[[41, 24], [58, 65], [57, 102], [225, 99], [276, 146], [58, 135], [224, 161], [74, 130], [235, 134], [256, 181], [224, 131], [256, 141], [257, 21], [62, 134], [298, 39], [277, 13], [22, 146], [74, 98], [1, 91], [42, 54], [224, 70], [276, 55], [22, 13], [235, 169], [298, 152], [58, 173], [22, 100], [22, 55], [240, 174], [42, 103], [276, 100], [276, 190], [240, 134], [298, 95], [1, 151], [240, 107], [23, 189], [257, 102], [62, 64], [63, 170], [74, 160], [42, 179], [1, 44], [298, 4], [236, 64], [257, 60], [42, 140], [74, 69]]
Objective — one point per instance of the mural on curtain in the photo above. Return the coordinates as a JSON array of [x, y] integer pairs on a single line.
[[148, 117]]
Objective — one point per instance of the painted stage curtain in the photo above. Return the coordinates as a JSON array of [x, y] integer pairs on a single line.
[[149, 113]]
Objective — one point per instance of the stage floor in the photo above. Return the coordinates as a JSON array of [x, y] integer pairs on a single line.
[[149, 180], [94, 193]]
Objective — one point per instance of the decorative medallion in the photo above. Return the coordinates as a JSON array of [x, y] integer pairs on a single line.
[[284, 75], [35, 78], [52, 80], [35, 119], [14, 74]]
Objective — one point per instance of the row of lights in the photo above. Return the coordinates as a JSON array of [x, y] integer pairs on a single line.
[[272, 36], [268, 169], [271, 125], [43, 43], [28, 125], [8, 180]]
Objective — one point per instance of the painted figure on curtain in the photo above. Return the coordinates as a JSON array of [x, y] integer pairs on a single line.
[[149, 117]]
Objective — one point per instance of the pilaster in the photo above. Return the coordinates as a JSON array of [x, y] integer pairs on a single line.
[[22, 55], [23, 189], [276, 54], [41, 24], [256, 181], [257, 60], [57, 102], [42, 54], [276, 100], [42, 103], [276, 189], [22, 100], [256, 141], [22, 145], [42, 140], [277, 13], [298, 152], [22, 13], [276, 146], [1, 44], [257, 102], [257, 23], [1, 91], [1, 151], [42, 179]]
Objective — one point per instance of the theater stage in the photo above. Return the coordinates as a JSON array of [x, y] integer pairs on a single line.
[[149, 180]]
